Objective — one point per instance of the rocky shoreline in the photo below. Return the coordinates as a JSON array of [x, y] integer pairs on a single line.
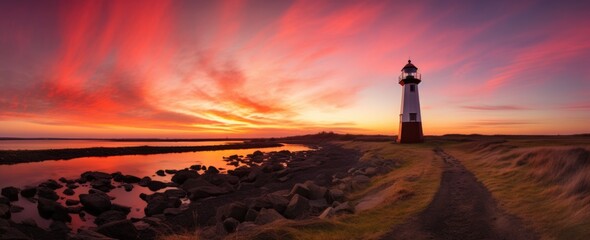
[[265, 187], [22, 156]]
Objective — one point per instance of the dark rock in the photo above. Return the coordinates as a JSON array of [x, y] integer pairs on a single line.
[[75, 209], [240, 172], [121, 208], [327, 213], [195, 183], [336, 194], [274, 201], [172, 211], [13, 234], [59, 227], [207, 191], [300, 189], [72, 202], [298, 207], [315, 191], [203, 167], [16, 208], [212, 170], [28, 222], [28, 191], [343, 208], [53, 210], [97, 175], [109, 216], [69, 192], [11, 193], [4, 200], [117, 176], [318, 205], [122, 229], [158, 202], [144, 181], [156, 185], [360, 181], [267, 216], [85, 234], [47, 193], [230, 225], [95, 203], [181, 176], [251, 215], [160, 173], [128, 187], [178, 193], [234, 210], [170, 171], [103, 185], [72, 186], [51, 184], [5, 211], [196, 167], [131, 179]]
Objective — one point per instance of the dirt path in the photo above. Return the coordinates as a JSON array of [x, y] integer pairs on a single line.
[[461, 209]]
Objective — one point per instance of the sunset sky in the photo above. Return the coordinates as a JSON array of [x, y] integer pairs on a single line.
[[275, 68]]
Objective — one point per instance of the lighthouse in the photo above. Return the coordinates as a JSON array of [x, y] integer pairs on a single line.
[[410, 121]]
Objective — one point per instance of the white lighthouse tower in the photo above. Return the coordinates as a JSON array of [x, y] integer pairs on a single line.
[[410, 121]]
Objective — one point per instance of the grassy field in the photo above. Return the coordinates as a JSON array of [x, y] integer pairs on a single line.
[[544, 180]]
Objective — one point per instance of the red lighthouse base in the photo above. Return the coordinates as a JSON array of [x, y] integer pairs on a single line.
[[410, 132]]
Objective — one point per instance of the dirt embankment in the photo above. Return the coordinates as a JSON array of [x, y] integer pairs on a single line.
[[461, 209]]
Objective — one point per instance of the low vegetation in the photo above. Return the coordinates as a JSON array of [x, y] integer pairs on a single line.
[[545, 181]]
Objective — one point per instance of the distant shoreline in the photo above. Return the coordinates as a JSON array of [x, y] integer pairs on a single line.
[[134, 139], [23, 156]]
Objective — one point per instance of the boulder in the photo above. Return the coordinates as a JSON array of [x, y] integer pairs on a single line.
[[16, 208], [298, 207], [59, 227], [5, 211], [128, 187], [195, 183], [29, 222], [172, 211], [68, 192], [196, 167], [28, 191], [315, 191], [370, 171], [178, 193], [158, 202], [117, 176], [212, 170], [4, 200], [336, 194], [235, 210], [11, 193], [160, 173], [251, 215], [344, 208], [131, 179], [13, 234], [51, 184], [230, 225], [170, 171], [50, 209], [72, 202], [121, 208], [144, 181], [266, 216], [206, 191], [109, 216], [318, 205], [327, 213], [122, 229], [89, 176], [274, 201], [47, 193], [240, 172], [156, 185], [181, 176], [72, 185], [300, 189], [86, 234], [75, 209], [95, 203], [103, 185]]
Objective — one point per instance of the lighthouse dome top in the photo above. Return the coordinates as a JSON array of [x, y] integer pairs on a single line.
[[409, 67]]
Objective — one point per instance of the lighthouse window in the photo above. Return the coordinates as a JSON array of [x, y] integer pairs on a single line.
[[412, 88], [412, 116]]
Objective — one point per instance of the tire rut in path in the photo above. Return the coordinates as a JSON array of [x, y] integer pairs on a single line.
[[462, 208]]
